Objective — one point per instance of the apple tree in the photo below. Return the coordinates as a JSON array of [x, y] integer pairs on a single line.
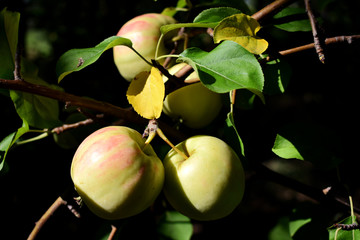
[[179, 120]]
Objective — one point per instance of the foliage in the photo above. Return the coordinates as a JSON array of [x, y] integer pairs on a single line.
[[277, 108]]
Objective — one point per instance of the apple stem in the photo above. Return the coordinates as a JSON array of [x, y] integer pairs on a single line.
[[162, 135], [150, 138]]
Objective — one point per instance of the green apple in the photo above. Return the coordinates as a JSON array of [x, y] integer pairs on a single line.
[[194, 104], [115, 173], [209, 184], [144, 32]]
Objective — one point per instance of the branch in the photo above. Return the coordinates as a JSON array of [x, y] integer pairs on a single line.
[[74, 100], [312, 192], [17, 71], [332, 40], [65, 127], [39, 224], [113, 232], [314, 26], [271, 9]]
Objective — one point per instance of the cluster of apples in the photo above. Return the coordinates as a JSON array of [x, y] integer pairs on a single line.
[[118, 174]]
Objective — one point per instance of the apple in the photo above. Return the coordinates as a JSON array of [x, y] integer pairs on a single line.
[[144, 32], [196, 105], [209, 184], [115, 173]]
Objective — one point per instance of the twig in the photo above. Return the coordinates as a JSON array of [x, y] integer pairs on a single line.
[[314, 27], [271, 9], [39, 224], [112, 233], [347, 227], [17, 71], [332, 40], [65, 127], [312, 192]]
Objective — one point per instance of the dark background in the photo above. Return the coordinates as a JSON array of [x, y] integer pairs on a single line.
[[325, 94]]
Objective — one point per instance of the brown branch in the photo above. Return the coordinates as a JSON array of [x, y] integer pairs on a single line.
[[314, 193], [66, 127], [112, 233], [314, 27], [332, 40], [74, 100], [39, 224], [17, 71], [271, 9]]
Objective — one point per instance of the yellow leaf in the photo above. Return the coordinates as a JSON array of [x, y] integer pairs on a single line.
[[242, 29], [146, 94]]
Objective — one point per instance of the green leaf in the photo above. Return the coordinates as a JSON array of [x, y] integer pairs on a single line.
[[231, 124], [295, 19], [281, 230], [38, 111], [277, 74], [209, 18], [169, 27], [227, 67], [308, 142], [299, 218], [285, 149], [215, 15], [77, 59], [8, 141], [335, 234], [242, 29], [174, 225], [9, 26]]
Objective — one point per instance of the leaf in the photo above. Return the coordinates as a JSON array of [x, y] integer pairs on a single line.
[[227, 67], [242, 29], [174, 225], [171, 11], [343, 234], [285, 149], [77, 59], [277, 74], [281, 230], [9, 26], [38, 111], [215, 15], [209, 18], [301, 217], [308, 142], [8, 141], [292, 22], [169, 27], [146, 93], [231, 124]]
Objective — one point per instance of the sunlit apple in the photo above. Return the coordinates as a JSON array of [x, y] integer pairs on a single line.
[[144, 32], [115, 173], [195, 105], [209, 184]]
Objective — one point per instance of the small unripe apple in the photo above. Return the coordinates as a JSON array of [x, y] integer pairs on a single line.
[[144, 32], [115, 173], [209, 184], [194, 104]]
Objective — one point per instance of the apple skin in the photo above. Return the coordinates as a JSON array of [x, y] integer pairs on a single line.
[[144, 32], [208, 185], [195, 104], [114, 174]]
